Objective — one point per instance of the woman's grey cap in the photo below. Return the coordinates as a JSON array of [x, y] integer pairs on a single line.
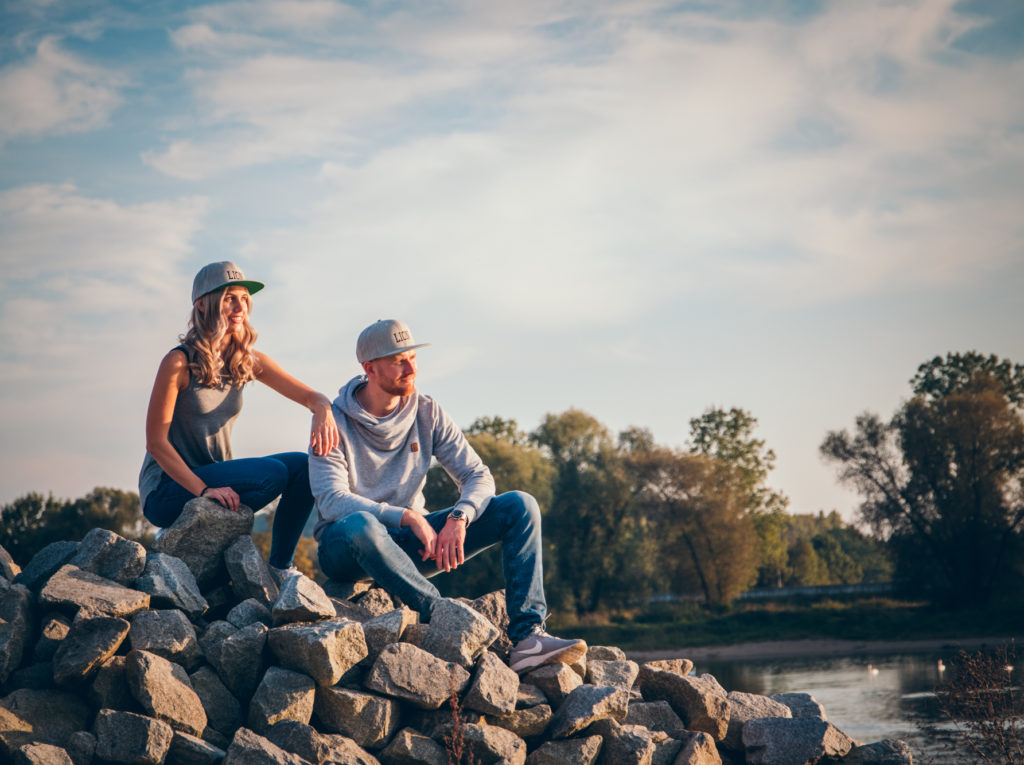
[[216, 276], [385, 337]]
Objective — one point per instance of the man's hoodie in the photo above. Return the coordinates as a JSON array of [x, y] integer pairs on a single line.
[[381, 463]]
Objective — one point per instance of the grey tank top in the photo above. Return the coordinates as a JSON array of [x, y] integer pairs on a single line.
[[200, 429]]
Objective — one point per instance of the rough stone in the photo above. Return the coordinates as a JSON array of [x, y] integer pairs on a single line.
[[301, 600], [15, 620], [700, 701], [367, 719], [620, 673], [351, 611], [167, 633], [131, 738], [407, 672], [573, 751], [585, 705], [89, 643], [676, 666], [250, 576], [170, 584], [411, 748], [493, 607], [281, 695], [488, 744], [164, 691], [324, 650], [109, 687], [529, 695], [346, 590], [801, 705], [887, 752], [376, 601], [223, 712], [81, 745], [623, 744], [190, 750], [699, 750], [655, 716], [526, 723], [52, 631], [458, 633], [200, 535], [249, 611], [45, 564], [250, 748], [41, 754], [749, 706], [383, 630], [238, 658], [72, 589], [797, 741], [605, 653], [8, 568], [110, 556], [494, 687], [309, 744], [556, 681]]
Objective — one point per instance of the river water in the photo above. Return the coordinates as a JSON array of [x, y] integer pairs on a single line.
[[870, 698]]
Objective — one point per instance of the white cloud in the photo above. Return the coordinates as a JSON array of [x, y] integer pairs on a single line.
[[56, 92]]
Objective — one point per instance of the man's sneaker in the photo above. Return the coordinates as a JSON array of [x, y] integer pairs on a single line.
[[539, 648], [280, 574]]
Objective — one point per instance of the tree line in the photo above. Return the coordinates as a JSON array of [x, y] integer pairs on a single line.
[[626, 518]]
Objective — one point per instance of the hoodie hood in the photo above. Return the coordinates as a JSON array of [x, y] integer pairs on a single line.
[[383, 433]]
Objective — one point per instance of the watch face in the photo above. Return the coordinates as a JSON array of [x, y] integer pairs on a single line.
[[459, 515]]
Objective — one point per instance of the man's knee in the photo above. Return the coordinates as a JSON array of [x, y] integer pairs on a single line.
[[360, 529], [518, 505]]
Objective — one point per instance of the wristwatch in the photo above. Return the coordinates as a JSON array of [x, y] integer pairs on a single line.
[[458, 514]]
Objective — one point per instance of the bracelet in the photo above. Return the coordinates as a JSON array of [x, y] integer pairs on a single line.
[[203, 492]]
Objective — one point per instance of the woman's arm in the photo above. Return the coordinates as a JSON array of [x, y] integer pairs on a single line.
[[171, 378], [324, 433]]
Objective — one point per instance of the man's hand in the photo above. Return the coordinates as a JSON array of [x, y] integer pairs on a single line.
[[423, 531], [449, 550]]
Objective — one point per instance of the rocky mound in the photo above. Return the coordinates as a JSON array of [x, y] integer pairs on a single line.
[[192, 653]]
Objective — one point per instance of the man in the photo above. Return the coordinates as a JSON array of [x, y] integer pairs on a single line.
[[369, 494]]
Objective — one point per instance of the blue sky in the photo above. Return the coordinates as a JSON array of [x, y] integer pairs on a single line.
[[639, 208]]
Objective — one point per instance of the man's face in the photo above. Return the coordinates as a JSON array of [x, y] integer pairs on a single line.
[[395, 375]]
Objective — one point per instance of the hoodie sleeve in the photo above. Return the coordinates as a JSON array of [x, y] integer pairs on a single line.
[[463, 464], [329, 482]]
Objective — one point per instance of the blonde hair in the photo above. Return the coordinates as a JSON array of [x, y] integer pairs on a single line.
[[236, 364]]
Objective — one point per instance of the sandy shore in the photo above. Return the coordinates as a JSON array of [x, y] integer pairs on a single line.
[[795, 649]]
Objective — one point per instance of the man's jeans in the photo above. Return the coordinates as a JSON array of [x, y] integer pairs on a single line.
[[359, 547], [257, 481]]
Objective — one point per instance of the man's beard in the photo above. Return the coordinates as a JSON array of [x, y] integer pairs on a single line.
[[399, 387]]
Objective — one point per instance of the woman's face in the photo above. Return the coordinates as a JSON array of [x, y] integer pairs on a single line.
[[234, 307]]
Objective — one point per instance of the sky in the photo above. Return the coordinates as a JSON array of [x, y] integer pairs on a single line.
[[640, 209]]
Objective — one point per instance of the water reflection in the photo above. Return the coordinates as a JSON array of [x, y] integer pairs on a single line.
[[870, 698]]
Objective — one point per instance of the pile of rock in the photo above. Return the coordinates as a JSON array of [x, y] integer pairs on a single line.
[[194, 654]]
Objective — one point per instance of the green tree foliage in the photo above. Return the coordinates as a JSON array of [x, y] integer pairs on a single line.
[[728, 436], [590, 524], [942, 480], [33, 521], [694, 510]]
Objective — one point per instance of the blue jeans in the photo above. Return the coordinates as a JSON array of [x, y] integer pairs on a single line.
[[359, 547], [257, 481]]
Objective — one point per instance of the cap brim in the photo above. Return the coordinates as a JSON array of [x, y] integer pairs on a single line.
[[397, 351], [253, 287]]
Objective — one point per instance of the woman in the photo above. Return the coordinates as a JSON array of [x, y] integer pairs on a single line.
[[195, 400]]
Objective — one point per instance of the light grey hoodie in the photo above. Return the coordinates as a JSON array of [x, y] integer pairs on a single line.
[[381, 463]]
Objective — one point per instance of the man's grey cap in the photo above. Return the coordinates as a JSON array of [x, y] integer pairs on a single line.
[[385, 337], [217, 276]]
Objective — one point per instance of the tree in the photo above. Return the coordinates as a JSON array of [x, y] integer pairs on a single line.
[[590, 526], [942, 480], [694, 511], [31, 522], [728, 436]]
